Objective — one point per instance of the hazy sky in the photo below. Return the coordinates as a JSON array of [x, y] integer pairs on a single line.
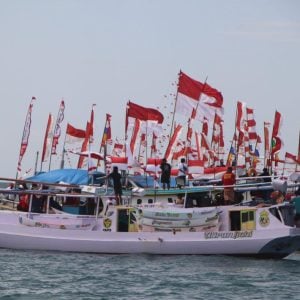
[[109, 52]]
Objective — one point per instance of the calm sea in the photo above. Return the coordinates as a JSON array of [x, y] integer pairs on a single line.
[[54, 275]]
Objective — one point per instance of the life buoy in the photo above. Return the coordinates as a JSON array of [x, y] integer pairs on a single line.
[[252, 172]]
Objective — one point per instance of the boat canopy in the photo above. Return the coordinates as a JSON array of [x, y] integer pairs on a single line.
[[69, 176]]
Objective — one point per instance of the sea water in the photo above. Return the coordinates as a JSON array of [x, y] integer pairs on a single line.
[[59, 275]]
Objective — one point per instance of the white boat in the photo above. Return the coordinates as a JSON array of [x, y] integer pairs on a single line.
[[242, 230]]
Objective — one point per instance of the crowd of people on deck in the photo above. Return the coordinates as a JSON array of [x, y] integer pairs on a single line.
[[38, 200]]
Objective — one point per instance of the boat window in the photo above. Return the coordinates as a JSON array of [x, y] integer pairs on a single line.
[[275, 213], [245, 218], [248, 222], [288, 214], [139, 201], [170, 200], [150, 201], [235, 220], [251, 215]]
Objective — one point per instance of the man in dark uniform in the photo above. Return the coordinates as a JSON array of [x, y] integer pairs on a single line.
[[116, 178]]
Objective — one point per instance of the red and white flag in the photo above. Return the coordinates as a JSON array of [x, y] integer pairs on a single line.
[[74, 135], [88, 140], [25, 136], [91, 154], [142, 113], [251, 124], [196, 166], [48, 138], [134, 136], [192, 94], [173, 141], [57, 129], [118, 149], [120, 162], [240, 116], [153, 165], [291, 159], [84, 146]]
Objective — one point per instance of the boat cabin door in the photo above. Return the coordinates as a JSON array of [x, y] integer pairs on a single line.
[[126, 221], [242, 220]]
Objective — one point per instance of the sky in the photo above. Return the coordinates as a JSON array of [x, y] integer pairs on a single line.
[[108, 52]]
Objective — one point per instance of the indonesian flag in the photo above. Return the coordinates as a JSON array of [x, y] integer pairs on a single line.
[[192, 94], [25, 136], [143, 113], [196, 166], [74, 135], [57, 129], [120, 162], [47, 138], [153, 165], [291, 159]]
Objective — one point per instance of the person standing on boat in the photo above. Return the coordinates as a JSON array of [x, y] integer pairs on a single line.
[[182, 172], [228, 181], [116, 178], [165, 173]]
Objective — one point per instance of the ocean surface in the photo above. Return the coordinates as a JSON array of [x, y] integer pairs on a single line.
[[58, 275]]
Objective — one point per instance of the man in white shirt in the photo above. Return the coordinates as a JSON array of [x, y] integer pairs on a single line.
[[182, 172]]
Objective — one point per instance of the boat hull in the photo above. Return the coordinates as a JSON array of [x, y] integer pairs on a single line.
[[272, 244]]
